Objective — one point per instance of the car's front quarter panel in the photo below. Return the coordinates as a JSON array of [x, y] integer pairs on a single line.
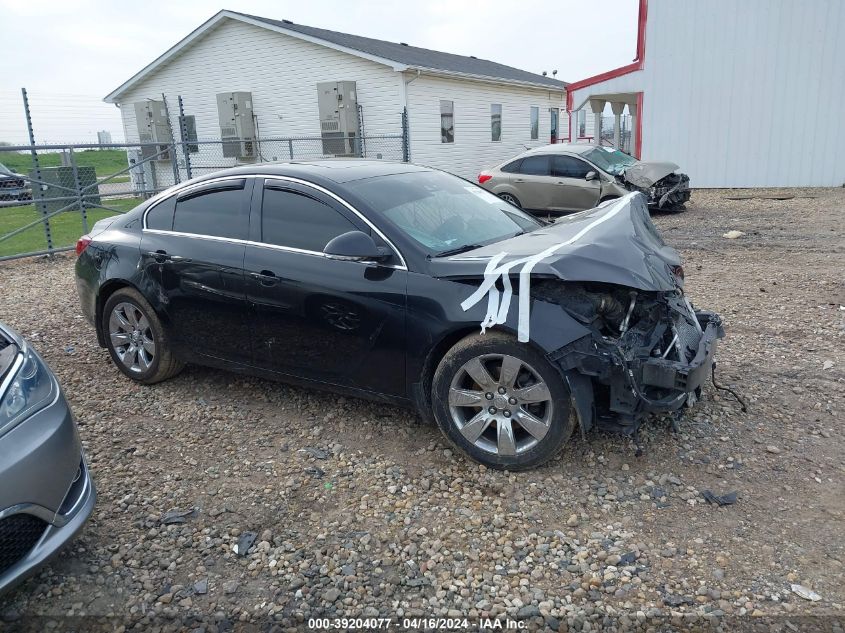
[[435, 315]]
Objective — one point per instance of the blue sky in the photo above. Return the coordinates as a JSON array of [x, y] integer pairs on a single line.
[[70, 54]]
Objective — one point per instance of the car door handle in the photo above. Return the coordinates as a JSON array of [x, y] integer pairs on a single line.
[[265, 277], [520, 180], [162, 257]]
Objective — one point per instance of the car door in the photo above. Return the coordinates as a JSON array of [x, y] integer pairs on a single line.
[[533, 182], [573, 192], [192, 250], [322, 319]]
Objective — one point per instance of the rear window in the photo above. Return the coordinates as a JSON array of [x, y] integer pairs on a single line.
[[512, 167], [219, 212], [535, 166], [160, 217]]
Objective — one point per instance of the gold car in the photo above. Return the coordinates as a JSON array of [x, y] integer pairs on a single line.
[[570, 177]]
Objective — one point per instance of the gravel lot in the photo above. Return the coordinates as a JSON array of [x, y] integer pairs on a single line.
[[361, 510]]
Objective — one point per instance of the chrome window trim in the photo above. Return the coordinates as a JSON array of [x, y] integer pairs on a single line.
[[402, 262]]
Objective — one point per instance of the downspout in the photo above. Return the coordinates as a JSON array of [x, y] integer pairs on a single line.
[[405, 103]]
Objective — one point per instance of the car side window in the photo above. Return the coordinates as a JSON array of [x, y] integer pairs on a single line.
[[296, 220], [160, 217], [216, 211], [535, 166], [570, 167], [512, 167]]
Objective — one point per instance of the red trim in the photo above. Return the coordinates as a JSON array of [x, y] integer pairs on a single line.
[[636, 65]]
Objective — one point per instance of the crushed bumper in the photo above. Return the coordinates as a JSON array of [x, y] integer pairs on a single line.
[[670, 193], [687, 377]]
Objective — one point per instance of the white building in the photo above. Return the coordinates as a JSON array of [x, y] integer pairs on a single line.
[[464, 113], [739, 94]]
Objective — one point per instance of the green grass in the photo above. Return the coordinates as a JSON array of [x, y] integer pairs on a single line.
[[65, 227], [104, 161]]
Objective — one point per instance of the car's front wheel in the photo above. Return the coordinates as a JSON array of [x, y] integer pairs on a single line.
[[136, 339], [501, 402]]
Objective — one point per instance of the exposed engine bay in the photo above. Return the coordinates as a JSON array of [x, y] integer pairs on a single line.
[[648, 352]]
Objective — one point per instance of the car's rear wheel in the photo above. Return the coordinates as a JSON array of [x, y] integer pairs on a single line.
[[501, 402], [510, 199], [136, 339]]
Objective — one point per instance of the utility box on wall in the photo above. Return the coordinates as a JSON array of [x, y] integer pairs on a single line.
[[151, 118], [237, 124], [339, 121]]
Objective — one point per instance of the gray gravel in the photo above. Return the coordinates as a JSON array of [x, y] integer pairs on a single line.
[[357, 509]]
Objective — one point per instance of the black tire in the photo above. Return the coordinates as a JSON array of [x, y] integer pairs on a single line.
[[487, 347], [510, 198], [162, 364]]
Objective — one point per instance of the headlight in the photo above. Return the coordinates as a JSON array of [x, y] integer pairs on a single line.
[[29, 390]]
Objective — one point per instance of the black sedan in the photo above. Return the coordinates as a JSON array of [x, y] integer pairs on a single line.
[[406, 285]]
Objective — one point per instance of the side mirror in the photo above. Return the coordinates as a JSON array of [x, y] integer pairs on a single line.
[[355, 246], [591, 175]]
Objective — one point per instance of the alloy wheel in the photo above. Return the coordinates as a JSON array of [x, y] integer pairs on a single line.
[[500, 404], [131, 337], [509, 199]]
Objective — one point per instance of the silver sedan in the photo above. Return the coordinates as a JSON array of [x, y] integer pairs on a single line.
[[46, 492], [569, 177]]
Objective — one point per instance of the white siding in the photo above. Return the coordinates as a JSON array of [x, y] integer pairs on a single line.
[[473, 149], [282, 73], [743, 94]]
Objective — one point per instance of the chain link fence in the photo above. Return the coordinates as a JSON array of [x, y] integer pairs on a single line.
[[52, 194]]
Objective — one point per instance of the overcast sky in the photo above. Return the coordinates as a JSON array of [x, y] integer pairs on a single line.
[[70, 54]]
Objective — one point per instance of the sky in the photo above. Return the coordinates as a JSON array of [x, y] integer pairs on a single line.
[[69, 54]]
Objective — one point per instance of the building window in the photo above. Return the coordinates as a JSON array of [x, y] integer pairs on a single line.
[[447, 122], [582, 123], [495, 121], [535, 123]]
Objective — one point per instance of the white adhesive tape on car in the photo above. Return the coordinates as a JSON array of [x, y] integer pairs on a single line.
[[499, 303]]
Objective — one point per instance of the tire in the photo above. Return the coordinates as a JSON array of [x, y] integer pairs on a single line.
[[510, 199], [464, 400], [136, 339]]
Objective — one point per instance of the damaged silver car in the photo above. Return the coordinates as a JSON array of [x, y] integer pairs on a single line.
[[570, 177]]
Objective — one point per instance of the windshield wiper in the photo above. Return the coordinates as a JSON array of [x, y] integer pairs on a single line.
[[458, 250], [469, 247]]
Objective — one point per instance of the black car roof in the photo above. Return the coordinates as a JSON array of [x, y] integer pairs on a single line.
[[337, 170]]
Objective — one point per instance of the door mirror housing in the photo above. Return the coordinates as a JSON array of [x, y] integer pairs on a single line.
[[591, 175], [355, 246]]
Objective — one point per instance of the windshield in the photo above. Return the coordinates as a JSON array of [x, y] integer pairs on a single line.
[[610, 160], [442, 212]]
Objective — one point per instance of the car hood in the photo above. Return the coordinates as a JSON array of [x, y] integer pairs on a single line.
[[645, 174], [616, 243]]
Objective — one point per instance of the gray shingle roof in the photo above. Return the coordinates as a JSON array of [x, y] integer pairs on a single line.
[[416, 57]]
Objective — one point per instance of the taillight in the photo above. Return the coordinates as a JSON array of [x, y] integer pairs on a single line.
[[482, 178], [82, 243]]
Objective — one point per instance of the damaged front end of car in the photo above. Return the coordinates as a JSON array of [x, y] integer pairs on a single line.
[[647, 352], [664, 188], [608, 308]]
